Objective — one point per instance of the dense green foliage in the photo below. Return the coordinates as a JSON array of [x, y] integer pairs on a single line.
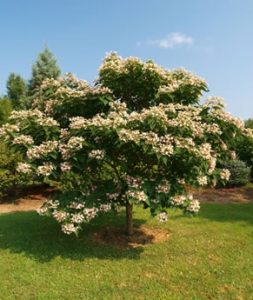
[[9, 178], [239, 173], [244, 147], [249, 123], [44, 67], [5, 109], [207, 257], [17, 91]]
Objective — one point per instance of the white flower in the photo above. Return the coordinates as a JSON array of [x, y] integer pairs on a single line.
[[23, 140], [65, 167], [24, 168], [45, 148], [75, 143], [60, 216], [233, 155], [76, 205], [225, 174], [178, 200], [105, 207], [90, 213], [42, 210], [138, 195], [77, 218], [47, 122], [194, 206], [202, 180], [163, 217], [46, 169], [98, 154], [163, 187], [69, 228]]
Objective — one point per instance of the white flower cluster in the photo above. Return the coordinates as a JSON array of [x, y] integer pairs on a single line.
[[97, 154], [23, 140], [202, 180], [8, 128], [194, 206], [24, 168], [163, 187], [73, 215], [178, 200], [112, 196], [163, 217], [42, 150], [75, 143], [187, 202], [21, 115], [133, 182], [215, 102], [46, 169], [137, 195], [68, 87], [65, 166], [47, 122], [225, 174]]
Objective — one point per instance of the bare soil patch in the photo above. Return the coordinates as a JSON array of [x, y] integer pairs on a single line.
[[226, 195], [25, 200], [142, 236]]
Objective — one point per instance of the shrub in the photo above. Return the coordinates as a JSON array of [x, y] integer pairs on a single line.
[[239, 173], [12, 181], [9, 178]]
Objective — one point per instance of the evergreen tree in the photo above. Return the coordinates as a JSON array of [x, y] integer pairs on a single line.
[[17, 91], [44, 67], [5, 109], [249, 123]]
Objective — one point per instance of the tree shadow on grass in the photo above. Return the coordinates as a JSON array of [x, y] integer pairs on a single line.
[[41, 239], [224, 212]]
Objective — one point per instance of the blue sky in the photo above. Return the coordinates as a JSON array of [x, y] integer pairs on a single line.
[[212, 38]]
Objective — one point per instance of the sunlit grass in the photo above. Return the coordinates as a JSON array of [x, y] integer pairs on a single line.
[[206, 257]]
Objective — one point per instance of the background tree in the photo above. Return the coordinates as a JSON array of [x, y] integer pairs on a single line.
[[5, 109], [17, 91], [44, 67], [244, 147], [249, 123]]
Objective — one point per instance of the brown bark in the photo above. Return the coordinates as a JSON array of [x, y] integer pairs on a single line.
[[129, 218]]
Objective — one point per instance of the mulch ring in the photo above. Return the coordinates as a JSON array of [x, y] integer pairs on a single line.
[[142, 236]]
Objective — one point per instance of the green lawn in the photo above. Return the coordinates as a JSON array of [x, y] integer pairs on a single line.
[[206, 257]]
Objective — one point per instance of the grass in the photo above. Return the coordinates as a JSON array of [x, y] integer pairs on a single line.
[[206, 257]]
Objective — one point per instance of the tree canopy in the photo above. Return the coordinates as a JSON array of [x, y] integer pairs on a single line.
[[138, 137]]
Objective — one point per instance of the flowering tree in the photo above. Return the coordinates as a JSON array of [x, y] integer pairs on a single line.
[[139, 136]]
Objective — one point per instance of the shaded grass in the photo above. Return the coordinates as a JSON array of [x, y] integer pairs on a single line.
[[206, 257]]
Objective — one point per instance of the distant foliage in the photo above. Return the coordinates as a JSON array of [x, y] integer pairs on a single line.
[[5, 109], [9, 177], [239, 173], [244, 149], [17, 91], [249, 123], [44, 67]]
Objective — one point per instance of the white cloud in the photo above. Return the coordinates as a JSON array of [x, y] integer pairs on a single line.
[[172, 40]]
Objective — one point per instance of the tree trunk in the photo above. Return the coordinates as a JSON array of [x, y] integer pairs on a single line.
[[129, 218]]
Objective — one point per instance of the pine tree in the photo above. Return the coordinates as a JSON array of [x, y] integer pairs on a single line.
[[17, 91], [44, 67]]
